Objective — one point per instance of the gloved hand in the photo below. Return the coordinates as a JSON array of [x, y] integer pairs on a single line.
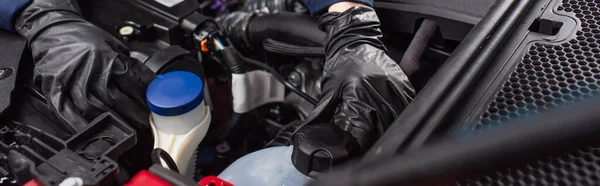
[[8, 10], [316, 6], [363, 90], [81, 70]]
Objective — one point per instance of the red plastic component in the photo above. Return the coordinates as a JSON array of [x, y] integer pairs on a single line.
[[31, 183], [145, 178], [213, 181]]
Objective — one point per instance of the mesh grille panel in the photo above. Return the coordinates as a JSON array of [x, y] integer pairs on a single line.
[[577, 168], [549, 76]]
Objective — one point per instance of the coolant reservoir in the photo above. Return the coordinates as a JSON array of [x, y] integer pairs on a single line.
[[179, 117], [267, 167]]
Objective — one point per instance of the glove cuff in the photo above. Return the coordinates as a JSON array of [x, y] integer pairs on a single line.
[[315, 7], [358, 24], [8, 11]]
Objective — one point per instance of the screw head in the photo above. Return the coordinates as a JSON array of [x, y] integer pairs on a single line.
[[223, 148], [294, 78], [5, 72], [126, 31]]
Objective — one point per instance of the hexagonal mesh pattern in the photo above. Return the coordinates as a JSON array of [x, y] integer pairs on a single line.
[[549, 76], [577, 168]]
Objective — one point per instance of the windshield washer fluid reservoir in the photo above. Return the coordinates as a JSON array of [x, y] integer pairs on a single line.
[[179, 117], [267, 167]]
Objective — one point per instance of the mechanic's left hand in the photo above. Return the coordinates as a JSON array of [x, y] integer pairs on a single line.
[[80, 69]]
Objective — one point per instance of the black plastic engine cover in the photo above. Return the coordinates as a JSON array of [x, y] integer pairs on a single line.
[[12, 47], [454, 17], [157, 18], [552, 60]]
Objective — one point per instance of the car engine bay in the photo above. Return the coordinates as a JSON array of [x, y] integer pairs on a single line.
[[282, 48], [257, 67]]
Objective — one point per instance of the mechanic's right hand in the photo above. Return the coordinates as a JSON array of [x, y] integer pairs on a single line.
[[81, 70], [364, 90], [316, 6]]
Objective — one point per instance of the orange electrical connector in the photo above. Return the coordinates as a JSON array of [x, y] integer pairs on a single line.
[[203, 47]]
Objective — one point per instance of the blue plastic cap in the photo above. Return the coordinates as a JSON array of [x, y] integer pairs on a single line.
[[175, 93]]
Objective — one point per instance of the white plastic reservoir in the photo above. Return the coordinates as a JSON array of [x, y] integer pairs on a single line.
[[267, 167], [179, 117]]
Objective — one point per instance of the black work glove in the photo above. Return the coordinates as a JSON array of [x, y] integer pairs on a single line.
[[81, 70], [364, 90]]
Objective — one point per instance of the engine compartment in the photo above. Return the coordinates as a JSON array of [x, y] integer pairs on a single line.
[[251, 131], [190, 35], [504, 96]]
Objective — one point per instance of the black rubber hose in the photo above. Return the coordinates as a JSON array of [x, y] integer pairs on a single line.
[[411, 61], [283, 48], [280, 78], [470, 77], [410, 120], [158, 154], [287, 27]]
